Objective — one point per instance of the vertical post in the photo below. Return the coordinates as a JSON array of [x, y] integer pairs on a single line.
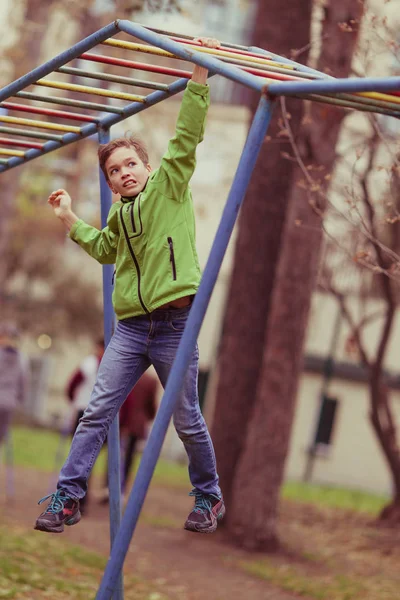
[[327, 376], [188, 342], [114, 476]]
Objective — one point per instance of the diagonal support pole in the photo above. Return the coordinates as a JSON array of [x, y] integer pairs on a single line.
[[188, 342]]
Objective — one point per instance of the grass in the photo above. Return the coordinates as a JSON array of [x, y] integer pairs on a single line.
[[46, 450], [37, 567], [329, 553], [38, 448], [293, 579], [334, 497]]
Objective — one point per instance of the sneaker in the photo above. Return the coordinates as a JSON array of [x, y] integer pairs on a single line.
[[61, 510], [207, 511]]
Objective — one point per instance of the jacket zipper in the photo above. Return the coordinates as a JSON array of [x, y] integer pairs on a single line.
[[134, 260], [172, 257], [133, 217]]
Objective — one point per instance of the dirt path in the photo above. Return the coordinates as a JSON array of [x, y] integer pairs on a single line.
[[190, 566]]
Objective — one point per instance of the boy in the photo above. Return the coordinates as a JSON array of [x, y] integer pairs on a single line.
[[150, 236]]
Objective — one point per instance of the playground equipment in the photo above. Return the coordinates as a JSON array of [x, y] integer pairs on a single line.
[[265, 72]]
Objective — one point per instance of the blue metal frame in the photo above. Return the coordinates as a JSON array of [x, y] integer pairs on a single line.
[[186, 347], [114, 456], [329, 86], [121, 532]]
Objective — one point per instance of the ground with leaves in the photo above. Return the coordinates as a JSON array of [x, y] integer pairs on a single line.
[[329, 555]]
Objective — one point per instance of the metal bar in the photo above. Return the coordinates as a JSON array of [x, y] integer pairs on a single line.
[[39, 124], [191, 38], [152, 85], [230, 48], [131, 64], [391, 97], [59, 60], [33, 134], [47, 111], [69, 102], [351, 104], [12, 152], [209, 62], [188, 342], [297, 65], [83, 89], [370, 101], [114, 476], [23, 144], [92, 128], [218, 53], [267, 68], [314, 74], [151, 99], [368, 84]]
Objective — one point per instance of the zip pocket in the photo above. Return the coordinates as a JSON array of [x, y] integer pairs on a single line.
[[133, 217], [172, 257]]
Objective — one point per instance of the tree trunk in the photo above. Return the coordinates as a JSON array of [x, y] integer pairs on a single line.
[[256, 252], [260, 470], [385, 430]]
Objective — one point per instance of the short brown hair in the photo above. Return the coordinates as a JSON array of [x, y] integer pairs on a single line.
[[128, 141]]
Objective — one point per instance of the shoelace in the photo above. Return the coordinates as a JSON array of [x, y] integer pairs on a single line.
[[202, 504], [56, 503]]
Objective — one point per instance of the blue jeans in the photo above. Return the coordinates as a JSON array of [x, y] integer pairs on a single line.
[[137, 343]]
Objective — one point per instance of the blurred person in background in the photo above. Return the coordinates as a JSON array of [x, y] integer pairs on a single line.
[[14, 376], [79, 389], [135, 416]]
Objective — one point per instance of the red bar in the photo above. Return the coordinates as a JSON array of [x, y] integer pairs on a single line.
[[8, 142], [48, 111], [120, 62]]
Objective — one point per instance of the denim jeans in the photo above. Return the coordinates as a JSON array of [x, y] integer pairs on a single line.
[[137, 343]]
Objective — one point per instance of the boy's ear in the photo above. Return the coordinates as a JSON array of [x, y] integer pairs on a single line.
[[148, 167], [111, 187]]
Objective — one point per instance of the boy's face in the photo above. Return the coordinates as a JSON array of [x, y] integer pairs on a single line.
[[127, 174]]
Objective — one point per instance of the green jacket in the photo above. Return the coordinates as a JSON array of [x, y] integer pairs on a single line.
[[151, 237]]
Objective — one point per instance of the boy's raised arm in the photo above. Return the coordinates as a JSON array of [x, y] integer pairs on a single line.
[[178, 163], [61, 202], [200, 74], [101, 245]]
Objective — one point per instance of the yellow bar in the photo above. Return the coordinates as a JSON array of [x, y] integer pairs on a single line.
[[12, 152], [214, 51], [40, 124], [89, 90], [379, 96]]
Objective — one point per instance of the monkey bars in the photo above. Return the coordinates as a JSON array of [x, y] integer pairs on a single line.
[[115, 89]]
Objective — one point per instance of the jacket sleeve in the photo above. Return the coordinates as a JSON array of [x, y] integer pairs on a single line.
[[100, 244], [178, 163], [76, 379]]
